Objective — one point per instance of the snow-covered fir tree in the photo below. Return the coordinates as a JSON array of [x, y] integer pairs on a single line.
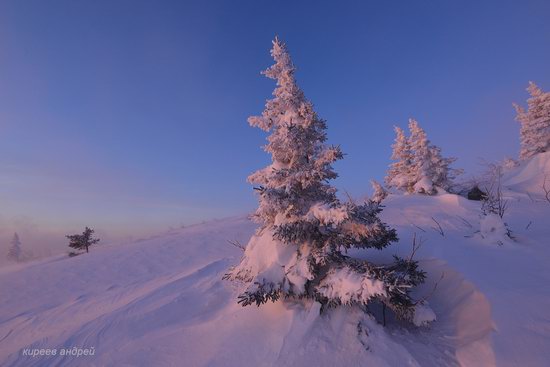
[[298, 250], [535, 123], [14, 252], [419, 165], [400, 174]]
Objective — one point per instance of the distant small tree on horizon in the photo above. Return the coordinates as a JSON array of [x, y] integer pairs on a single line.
[[82, 241], [14, 252]]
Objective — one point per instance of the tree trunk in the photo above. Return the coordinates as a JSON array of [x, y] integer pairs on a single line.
[[87, 249]]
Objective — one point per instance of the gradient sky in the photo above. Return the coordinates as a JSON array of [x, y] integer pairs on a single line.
[[130, 116]]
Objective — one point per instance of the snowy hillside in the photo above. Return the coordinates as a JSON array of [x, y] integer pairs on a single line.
[[162, 302]]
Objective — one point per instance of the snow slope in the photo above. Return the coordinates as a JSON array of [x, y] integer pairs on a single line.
[[162, 302]]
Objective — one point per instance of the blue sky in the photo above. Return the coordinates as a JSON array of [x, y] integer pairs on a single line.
[[130, 116]]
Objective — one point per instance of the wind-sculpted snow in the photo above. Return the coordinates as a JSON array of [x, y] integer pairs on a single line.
[[510, 279], [529, 177], [162, 301]]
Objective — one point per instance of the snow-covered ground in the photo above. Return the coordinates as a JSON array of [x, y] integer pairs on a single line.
[[162, 301]]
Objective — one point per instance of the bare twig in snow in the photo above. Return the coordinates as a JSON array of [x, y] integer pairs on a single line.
[[236, 244], [425, 298], [473, 234], [438, 229], [495, 202], [412, 224], [465, 222], [420, 228], [415, 246], [546, 189]]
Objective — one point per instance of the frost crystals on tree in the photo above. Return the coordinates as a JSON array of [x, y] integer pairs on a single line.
[[297, 251], [535, 123], [400, 175]]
